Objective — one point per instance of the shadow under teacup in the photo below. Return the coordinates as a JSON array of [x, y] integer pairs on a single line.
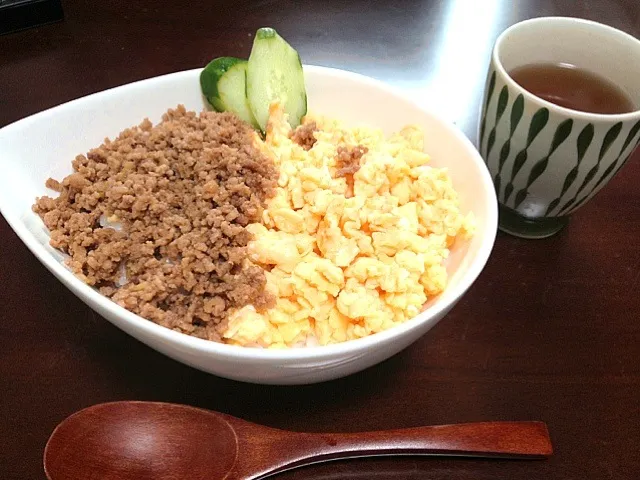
[[546, 160]]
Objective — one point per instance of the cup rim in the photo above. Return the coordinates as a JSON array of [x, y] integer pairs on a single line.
[[578, 114]]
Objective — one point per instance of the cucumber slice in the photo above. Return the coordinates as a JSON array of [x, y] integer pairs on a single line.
[[274, 73], [223, 83]]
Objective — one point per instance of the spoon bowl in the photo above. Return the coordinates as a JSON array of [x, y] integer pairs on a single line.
[[141, 440], [163, 441]]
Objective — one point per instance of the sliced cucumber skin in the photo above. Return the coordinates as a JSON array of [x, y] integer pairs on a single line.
[[210, 76], [225, 91], [216, 103], [274, 72]]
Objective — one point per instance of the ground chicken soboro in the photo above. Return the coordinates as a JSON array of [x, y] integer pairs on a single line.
[[168, 206], [304, 136]]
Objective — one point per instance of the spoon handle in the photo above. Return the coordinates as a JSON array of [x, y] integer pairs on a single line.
[[524, 440], [490, 439]]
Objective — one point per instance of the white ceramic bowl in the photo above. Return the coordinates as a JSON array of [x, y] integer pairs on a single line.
[[43, 146]]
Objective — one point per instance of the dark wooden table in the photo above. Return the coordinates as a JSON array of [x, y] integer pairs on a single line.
[[549, 331]]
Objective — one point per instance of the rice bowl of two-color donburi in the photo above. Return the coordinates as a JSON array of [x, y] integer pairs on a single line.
[[294, 255]]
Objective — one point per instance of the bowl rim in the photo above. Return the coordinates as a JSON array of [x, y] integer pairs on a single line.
[[234, 352]]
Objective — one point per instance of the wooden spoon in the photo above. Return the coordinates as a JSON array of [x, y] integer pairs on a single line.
[[162, 441]]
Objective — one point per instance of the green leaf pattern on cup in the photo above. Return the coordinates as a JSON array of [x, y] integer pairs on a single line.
[[516, 115], [483, 124], [561, 134], [538, 122], [577, 157], [583, 144], [503, 99], [620, 159], [609, 138]]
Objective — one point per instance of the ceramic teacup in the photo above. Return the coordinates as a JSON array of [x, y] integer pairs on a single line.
[[547, 161]]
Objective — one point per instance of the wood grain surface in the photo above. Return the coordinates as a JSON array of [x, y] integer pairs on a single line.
[[111, 441], [550, 331]]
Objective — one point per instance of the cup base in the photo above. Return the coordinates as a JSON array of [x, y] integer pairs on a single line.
[[513, 223]]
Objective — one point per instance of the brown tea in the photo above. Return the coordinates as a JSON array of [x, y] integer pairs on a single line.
[[572, 87]]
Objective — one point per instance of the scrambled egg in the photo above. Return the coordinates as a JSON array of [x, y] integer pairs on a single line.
[[348, 256]]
